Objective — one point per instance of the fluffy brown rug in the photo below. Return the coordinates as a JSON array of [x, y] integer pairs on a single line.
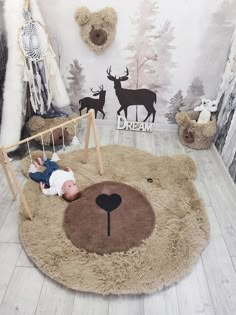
[[131, 221], [180, 234]]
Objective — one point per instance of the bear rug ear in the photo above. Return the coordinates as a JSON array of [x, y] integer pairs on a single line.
[[82, 15], [109, 16]]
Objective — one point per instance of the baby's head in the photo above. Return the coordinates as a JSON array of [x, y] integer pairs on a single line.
[[70, 190]]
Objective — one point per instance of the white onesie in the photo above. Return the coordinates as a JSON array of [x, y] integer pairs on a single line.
[[56, 181]]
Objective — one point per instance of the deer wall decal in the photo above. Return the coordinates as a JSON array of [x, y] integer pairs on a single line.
[[128, 97], [94, 103]]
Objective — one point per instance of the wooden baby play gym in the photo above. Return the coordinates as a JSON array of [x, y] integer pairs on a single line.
[[9, 171]]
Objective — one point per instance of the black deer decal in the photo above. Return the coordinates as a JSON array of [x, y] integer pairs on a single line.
[[129, 97], [94, 103]]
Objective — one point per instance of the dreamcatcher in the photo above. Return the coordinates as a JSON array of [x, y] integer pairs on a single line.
[[36, 52]]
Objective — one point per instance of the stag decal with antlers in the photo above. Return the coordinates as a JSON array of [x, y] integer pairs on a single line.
[[94, 103], [129, 97]]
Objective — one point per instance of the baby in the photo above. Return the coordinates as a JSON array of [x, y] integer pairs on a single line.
[[54, 181]]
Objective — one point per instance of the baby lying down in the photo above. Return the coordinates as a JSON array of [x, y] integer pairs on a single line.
[[55, 181]]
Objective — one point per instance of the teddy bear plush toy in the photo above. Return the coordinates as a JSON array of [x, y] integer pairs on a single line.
[[38, 124], [98, 28]]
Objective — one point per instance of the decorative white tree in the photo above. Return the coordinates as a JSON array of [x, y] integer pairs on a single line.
[[141, 48], [194, 93], [210, 65], [164, 47], [76, 84], [150, 52], [176, 103]]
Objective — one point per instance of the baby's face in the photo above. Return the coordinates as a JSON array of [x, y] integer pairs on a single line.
[[70, 187]]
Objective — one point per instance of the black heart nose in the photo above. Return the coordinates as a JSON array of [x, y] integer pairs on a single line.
[[108, 203]]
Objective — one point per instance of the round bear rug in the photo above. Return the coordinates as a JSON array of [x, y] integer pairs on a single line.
[[136, 229]]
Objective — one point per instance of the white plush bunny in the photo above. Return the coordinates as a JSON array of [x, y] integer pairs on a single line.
[[206, 108]]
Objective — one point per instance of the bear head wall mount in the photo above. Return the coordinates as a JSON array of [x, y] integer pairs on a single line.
[[98, 28]]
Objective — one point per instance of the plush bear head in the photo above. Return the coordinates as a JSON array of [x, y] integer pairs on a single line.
[[206, 107], [97, 29], [37, 124], [207, 104]]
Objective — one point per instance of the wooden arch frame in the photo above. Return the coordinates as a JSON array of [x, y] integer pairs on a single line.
[[9, 171]]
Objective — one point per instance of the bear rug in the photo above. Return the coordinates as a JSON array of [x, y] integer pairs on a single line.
[[158, 226]]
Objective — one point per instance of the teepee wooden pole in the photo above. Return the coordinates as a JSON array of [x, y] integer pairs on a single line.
[[15, 180], [26, 5], [97, 143], [2, 160]]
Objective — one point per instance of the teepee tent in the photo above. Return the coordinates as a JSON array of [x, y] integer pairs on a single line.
[[14, 105]]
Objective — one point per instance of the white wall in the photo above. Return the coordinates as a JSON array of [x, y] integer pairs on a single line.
[[195, 44]]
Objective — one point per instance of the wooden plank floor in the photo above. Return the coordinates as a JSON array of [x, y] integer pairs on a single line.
[[210, 289]]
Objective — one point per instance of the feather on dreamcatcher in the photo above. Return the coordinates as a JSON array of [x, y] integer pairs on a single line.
[[36, 54]]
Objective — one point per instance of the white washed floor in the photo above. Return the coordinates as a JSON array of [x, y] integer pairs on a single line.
[[209, 289]]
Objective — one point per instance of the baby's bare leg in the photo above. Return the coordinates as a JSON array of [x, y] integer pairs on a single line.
[[40, 161], [36, 164]]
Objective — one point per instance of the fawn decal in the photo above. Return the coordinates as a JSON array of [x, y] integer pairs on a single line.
[[128, 97], [94, 103]]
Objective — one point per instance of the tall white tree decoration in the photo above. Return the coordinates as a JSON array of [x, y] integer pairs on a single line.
[[164, 47], [194, 93], [150, 52], [176, 104], [141, 48], [216, 41], [76, 84]]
